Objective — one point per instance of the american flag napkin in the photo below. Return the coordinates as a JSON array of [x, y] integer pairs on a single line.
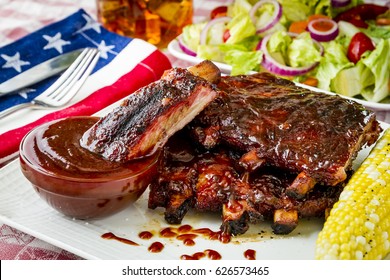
[[125, 65]]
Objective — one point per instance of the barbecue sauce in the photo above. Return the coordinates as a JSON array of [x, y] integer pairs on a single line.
[[211, 254], [145, 235], [110, 235], [156, 247], [57, 149], [186, 234], [76, 182], [250, 254]]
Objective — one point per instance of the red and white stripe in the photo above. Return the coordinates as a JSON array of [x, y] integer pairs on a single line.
[[125, 73]]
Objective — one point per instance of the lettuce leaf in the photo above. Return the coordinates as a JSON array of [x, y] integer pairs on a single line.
[[333, 61], [243, 61], [238, 7], [210, 52], [278, 45], [353, 81], [376, 31], [298, 10], [297, 52], [295, 10], [191, 35], [303, 51], [240, 27], [378, 61]]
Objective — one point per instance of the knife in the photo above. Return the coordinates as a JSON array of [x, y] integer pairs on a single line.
[[39, 72]]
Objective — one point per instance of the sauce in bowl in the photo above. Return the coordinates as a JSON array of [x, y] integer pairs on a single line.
[[75, 181]]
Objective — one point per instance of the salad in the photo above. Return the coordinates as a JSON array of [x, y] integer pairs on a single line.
[[336, 45]]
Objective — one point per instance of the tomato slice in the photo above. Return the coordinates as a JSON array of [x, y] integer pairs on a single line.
[[359, 14], [220, 11], [360, 43], [226, 35]]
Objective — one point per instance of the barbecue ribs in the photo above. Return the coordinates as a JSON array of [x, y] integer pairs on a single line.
[[190, 177], [272, 122], [265, 148], [144, 122]]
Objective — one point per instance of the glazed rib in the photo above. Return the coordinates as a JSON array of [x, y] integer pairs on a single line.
[[210, 181], [272, 122], [144, 122]]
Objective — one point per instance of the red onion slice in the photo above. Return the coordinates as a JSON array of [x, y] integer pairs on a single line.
[[340, 3], [278, 10], [211, 23], [275, 67], [184, 47], [323, 36]]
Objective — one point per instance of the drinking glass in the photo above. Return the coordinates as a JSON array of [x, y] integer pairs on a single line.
[[155, 21]]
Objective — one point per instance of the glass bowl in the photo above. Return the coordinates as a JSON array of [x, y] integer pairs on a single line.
[[76, 182]]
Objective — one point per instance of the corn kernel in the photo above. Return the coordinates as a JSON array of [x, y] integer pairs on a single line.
[[358, 226]]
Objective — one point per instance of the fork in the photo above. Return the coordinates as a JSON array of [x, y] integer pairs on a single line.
[[65, 87]]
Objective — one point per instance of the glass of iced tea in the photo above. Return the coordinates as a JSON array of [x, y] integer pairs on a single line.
[[155, 21]]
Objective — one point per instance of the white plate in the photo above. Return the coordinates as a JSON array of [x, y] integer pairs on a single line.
[[21, 208], [176, 51]]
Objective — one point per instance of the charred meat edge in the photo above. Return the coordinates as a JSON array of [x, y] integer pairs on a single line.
[[143, 123]]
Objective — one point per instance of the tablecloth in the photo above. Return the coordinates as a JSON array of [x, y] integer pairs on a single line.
[[21, 17]]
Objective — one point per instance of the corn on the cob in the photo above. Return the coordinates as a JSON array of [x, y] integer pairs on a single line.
[[358, 226]]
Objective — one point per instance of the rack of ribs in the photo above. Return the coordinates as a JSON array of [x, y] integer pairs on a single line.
[[273, 122], [266, 148], [210, 181], [147, 118]]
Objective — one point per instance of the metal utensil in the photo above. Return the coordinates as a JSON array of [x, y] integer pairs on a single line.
[[39, 72], [67, 85]]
